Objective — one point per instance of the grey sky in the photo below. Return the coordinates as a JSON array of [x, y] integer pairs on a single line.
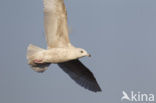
[[120, 35]]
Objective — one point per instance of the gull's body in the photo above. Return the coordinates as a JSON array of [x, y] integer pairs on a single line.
[[54, 55], [59, 49]]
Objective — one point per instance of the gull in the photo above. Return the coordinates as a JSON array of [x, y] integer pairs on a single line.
[[59, 49]]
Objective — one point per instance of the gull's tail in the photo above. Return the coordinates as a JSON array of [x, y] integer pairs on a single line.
[[33, 52]]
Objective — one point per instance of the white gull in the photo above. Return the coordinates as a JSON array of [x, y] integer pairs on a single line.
[[59, 49]]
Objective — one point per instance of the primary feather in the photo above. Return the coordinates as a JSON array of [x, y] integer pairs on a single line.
[[80, 74]]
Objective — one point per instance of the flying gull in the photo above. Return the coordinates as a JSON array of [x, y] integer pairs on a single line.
[[59, 49]]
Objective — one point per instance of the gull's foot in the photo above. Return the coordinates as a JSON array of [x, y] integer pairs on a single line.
[[38, 61]]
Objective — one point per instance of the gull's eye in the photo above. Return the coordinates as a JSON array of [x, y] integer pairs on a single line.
[[81, 51]]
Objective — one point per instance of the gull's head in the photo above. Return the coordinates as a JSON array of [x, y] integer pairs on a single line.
[[82, 53]]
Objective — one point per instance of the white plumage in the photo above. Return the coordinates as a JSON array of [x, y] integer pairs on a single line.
[[59, 49]]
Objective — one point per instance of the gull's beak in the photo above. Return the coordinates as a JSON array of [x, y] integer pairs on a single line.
[[89, 55]]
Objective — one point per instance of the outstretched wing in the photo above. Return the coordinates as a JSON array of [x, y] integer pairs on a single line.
[[80, 74], [55, 22]]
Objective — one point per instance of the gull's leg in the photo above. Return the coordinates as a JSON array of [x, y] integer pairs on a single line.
[[38, 61]]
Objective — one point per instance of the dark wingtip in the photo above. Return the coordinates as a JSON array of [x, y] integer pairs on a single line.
[[89, 85], [99, 90], [95, 89]]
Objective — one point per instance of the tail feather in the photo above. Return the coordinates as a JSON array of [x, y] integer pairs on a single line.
[[31, 54], [32, 49]]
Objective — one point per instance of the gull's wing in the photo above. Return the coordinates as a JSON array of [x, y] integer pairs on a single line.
[[55, 22], [80, 74]]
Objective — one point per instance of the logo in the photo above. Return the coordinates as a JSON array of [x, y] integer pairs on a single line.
[[138, 97]]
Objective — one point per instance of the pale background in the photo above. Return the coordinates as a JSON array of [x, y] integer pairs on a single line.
[[120, 35]]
